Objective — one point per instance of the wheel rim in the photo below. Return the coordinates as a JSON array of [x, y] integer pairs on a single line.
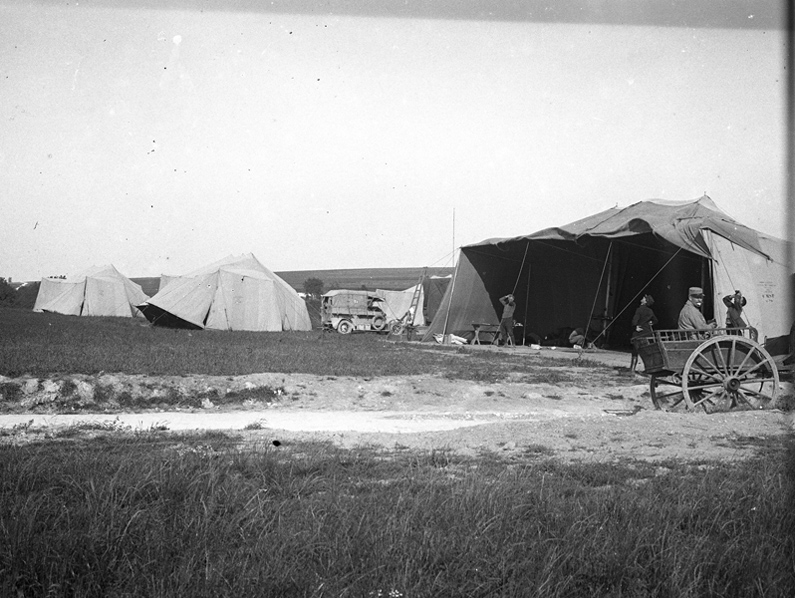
[[666, 392], [344, 327], [730, 372]]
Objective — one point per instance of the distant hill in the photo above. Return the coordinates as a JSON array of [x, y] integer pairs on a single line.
[[390, 279]]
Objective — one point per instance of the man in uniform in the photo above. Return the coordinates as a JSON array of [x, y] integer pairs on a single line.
[[506, 324], [690, 317]]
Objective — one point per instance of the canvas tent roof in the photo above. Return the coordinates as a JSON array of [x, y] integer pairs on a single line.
[[235, 293], [592, 272], [98, 291]]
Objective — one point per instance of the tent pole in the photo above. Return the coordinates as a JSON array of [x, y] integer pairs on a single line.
[[638, 294], [607, 292], [526, 300], [445, 340], [596, 295]]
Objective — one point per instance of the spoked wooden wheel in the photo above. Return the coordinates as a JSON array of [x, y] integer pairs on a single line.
[[666, 392], [729, 372]]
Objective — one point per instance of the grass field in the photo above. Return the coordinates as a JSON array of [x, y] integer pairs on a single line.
[[158, 514], [41, 344], [161, 515]]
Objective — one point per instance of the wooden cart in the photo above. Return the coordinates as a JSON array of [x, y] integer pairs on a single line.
[[716, 369]]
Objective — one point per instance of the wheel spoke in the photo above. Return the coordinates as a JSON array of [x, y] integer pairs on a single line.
[[704, 359], [757, 393], [712, 398], [722, 358], [697, 370], [747, 373], [666, 392], [662, 381], [741, 395], [742, 365], [665, 395], [702, 387]]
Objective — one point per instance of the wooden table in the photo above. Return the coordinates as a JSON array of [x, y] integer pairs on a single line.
[[481, 327]]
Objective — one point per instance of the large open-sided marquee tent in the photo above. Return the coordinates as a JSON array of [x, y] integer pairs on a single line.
[[591, 274]]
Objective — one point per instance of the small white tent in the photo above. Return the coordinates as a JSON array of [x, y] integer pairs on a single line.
[[99, 291], [397, 303], [235, 293]]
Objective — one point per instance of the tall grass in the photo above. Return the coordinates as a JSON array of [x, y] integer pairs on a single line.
[[156, 516], [41, 344]]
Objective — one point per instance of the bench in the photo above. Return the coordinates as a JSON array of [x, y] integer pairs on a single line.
[[479, 328]]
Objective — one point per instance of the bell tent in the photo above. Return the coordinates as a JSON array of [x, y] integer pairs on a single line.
[[99, 291], [235, 293], [591, 274]]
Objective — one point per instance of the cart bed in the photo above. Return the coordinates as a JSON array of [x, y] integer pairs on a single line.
[[669, 350]]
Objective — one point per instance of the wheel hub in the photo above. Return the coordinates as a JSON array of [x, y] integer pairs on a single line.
[[732, 383]]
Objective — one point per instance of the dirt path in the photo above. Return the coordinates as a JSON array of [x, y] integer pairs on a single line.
[[602, 416]]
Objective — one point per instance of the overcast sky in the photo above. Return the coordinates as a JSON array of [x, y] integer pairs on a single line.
[[160, 136]]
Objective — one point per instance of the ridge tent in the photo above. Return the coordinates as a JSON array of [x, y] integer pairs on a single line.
[[235, 293], [99, 291], [591, 274]]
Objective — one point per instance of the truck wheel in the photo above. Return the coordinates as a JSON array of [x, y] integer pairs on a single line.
[[378, 323], [345, 327]]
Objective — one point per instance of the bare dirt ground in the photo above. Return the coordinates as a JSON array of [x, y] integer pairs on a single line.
[[605, 415]]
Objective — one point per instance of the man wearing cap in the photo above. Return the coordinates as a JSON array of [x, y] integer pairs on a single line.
[[691, 318], [642, 323], [734, 310]]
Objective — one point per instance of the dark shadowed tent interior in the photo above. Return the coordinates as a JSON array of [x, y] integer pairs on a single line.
[[591, 274]]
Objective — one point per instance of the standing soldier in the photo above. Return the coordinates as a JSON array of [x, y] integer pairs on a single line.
[[506, 324], [642, 323], [734, 310]]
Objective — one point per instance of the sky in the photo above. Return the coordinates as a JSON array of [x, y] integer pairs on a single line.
[[162, 136]]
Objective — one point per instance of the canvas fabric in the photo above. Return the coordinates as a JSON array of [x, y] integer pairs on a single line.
[[235, 293], [602, 265], [764, 282], [98, 291], [397, 303]]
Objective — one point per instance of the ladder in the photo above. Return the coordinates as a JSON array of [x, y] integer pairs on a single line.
[[406, 322]]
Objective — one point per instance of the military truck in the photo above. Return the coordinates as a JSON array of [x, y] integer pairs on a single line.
[[349, 311]]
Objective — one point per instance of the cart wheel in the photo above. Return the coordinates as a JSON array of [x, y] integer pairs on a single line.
[[396, 329], [666, 392], [730, 372], [345, 327], [378, 323]]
